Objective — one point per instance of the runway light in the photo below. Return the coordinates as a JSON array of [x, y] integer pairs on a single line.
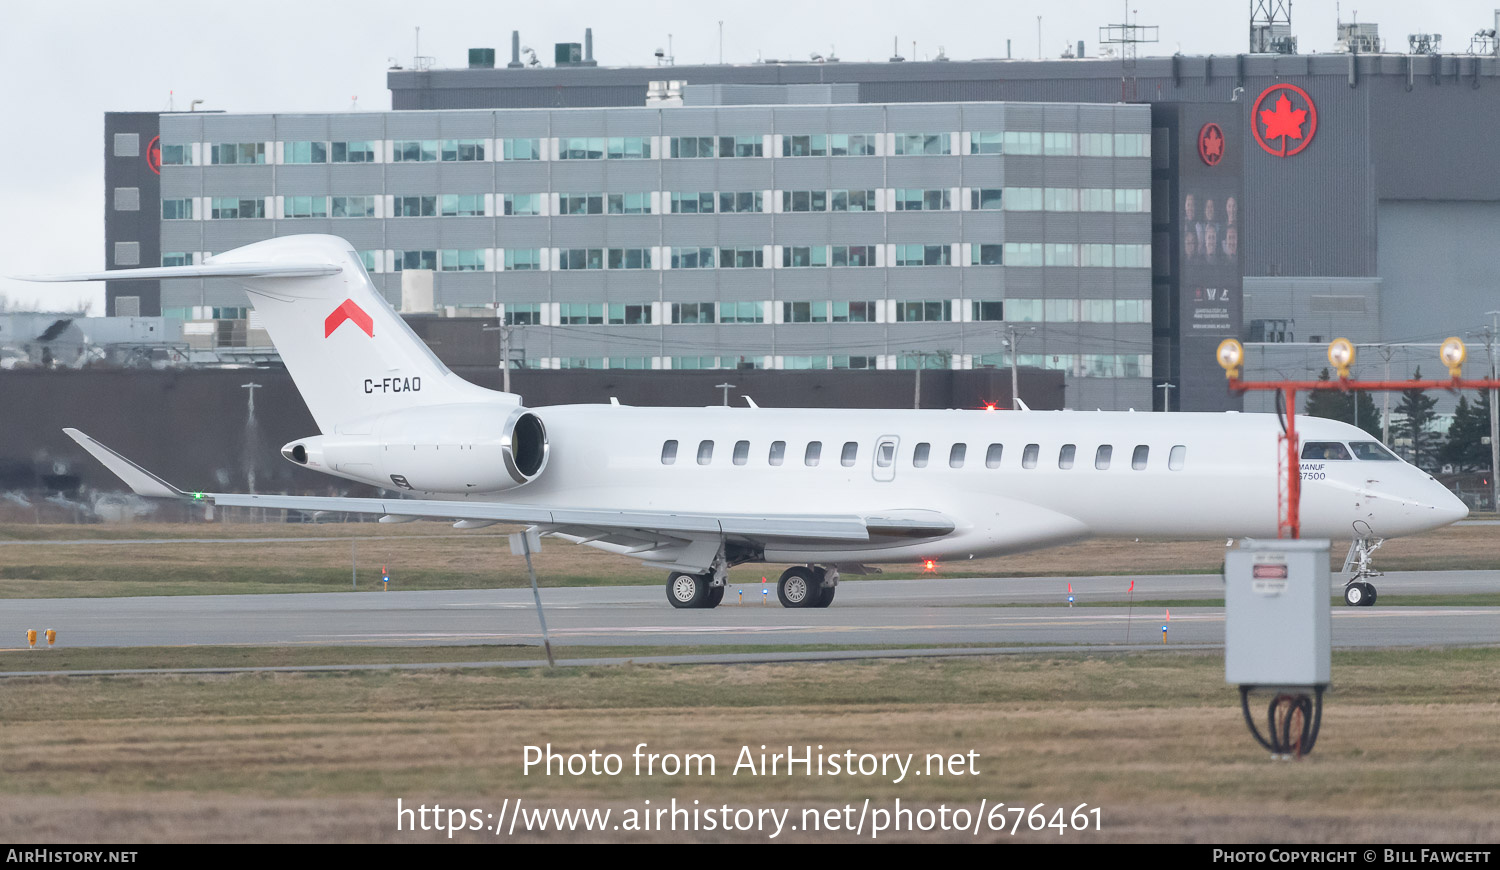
[[51, 638], [1230, 355], [1453, 353], [1341, 355], [31, 638]]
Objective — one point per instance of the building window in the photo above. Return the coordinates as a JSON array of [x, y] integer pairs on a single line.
[[629, 148], [635, 314], [580, 203], [177, 155], [127, 253], [629, 258], [306, 206], [580, 258], [1059, 145], [985, 198], [1023, 254], [986, 255], [581, 313], [852, 255], [804, 200], [127, 145], [986, 143], [177, 209], [463, 149], [1060, 198], [855, 312], [1096, 144], [629, 203], [353, 206], [367, 259], [523, 313], [692, 258], [923, 255], [851, 144], [693, 203], [463, 205], [923, 200], [804, 363], [305, 152], [523, 259], [741, 312], [988, 311], [793, 257], [416, 260], [471, 260], [176, 258], [853, 200], [741, 258], [522, 149], [581, 148], [1132, 144], [750, 201], [922, 143], [1024, 199], [804, 146], [1022, 142], [740, 146], [354, 152], [804, 312], [416, 206], [232, 207], [691, 146], [523, 203], [693, 312], [225, 154], [854, 362], [1063, 254], [916, 312], [414, 151]]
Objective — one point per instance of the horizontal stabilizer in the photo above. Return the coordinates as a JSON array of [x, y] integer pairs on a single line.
[[140, 481], [206, 270]]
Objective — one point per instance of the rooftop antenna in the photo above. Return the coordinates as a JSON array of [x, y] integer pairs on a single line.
[[721, 42], [896, 50], [1127, 36], [354, 103], [1271, 27]]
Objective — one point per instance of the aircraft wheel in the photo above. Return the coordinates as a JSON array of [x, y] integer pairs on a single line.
[[827, 598], [1370, 598], [715, 595], [798, 587], [686, 590], [1356, 593]]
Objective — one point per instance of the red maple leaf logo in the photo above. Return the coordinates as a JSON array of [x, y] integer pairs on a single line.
[[1213, 144], [1284, 123]]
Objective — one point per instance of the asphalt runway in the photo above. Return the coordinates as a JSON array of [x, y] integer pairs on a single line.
[[931, 612]]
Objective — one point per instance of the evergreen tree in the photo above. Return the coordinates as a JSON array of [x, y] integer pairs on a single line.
[[1339, 405], [1465, 448], [1416, 417], [1323, 403]]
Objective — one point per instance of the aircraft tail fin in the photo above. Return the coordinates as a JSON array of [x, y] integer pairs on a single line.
[[350, 354]]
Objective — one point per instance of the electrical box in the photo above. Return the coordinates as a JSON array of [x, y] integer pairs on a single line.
[[1277, 617]]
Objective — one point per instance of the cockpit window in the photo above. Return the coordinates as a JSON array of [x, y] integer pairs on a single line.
[[1371, 450], [1325, 450]]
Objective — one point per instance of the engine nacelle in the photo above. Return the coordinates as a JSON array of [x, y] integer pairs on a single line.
[[443, 448]]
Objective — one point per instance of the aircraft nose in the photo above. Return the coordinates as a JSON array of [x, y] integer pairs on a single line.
[[1449, 507]]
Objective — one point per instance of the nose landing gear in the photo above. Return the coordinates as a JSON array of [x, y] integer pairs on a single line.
[[1357, 591]]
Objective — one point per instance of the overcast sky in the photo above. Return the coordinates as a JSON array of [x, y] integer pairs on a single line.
[[70, 62]]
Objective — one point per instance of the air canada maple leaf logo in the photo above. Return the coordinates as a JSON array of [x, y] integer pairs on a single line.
[[347, 310], [1211, 144], [1284, 126]]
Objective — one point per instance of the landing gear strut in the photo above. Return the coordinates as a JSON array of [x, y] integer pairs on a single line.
[[807, 586], [1358, 592]]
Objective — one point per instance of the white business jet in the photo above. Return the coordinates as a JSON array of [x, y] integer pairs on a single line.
[[695, 491]]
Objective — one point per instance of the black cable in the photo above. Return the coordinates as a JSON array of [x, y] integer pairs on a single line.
[[1279, 739]]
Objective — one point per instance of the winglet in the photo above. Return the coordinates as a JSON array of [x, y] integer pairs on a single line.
[[141, 481]]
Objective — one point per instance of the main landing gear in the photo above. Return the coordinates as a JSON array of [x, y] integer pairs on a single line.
[[802, 586], [807, 586], [1358, 592]]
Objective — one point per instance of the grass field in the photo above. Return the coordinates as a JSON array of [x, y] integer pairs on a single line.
[[432, 556], [1409, 751]]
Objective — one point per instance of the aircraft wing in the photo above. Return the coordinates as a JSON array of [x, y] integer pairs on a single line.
[[664, 536]]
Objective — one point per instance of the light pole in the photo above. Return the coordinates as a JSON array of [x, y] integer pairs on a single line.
[[1489, 347], [505, 329], [1166, 395], [249, 432], [1015, 382], [726, 388]]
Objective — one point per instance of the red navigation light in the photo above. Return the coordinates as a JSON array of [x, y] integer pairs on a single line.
[[989, 406], [929, 566]]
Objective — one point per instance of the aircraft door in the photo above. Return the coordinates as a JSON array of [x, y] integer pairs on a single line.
[[885, 457]]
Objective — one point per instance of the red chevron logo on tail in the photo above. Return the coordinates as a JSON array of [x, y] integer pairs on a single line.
[[347, 310]]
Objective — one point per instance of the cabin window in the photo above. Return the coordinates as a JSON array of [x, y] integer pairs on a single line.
[[885, 455], [705, 452], [1102, 456], [851, 452], [1177, 457], [1138, 458], [1029, 455], [956, 455], [1066, 454], [813, 454], [669, 453], [1371, 450], [1325, 450], [992, 456], [741, 452], [919, 455], [778, 452]]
